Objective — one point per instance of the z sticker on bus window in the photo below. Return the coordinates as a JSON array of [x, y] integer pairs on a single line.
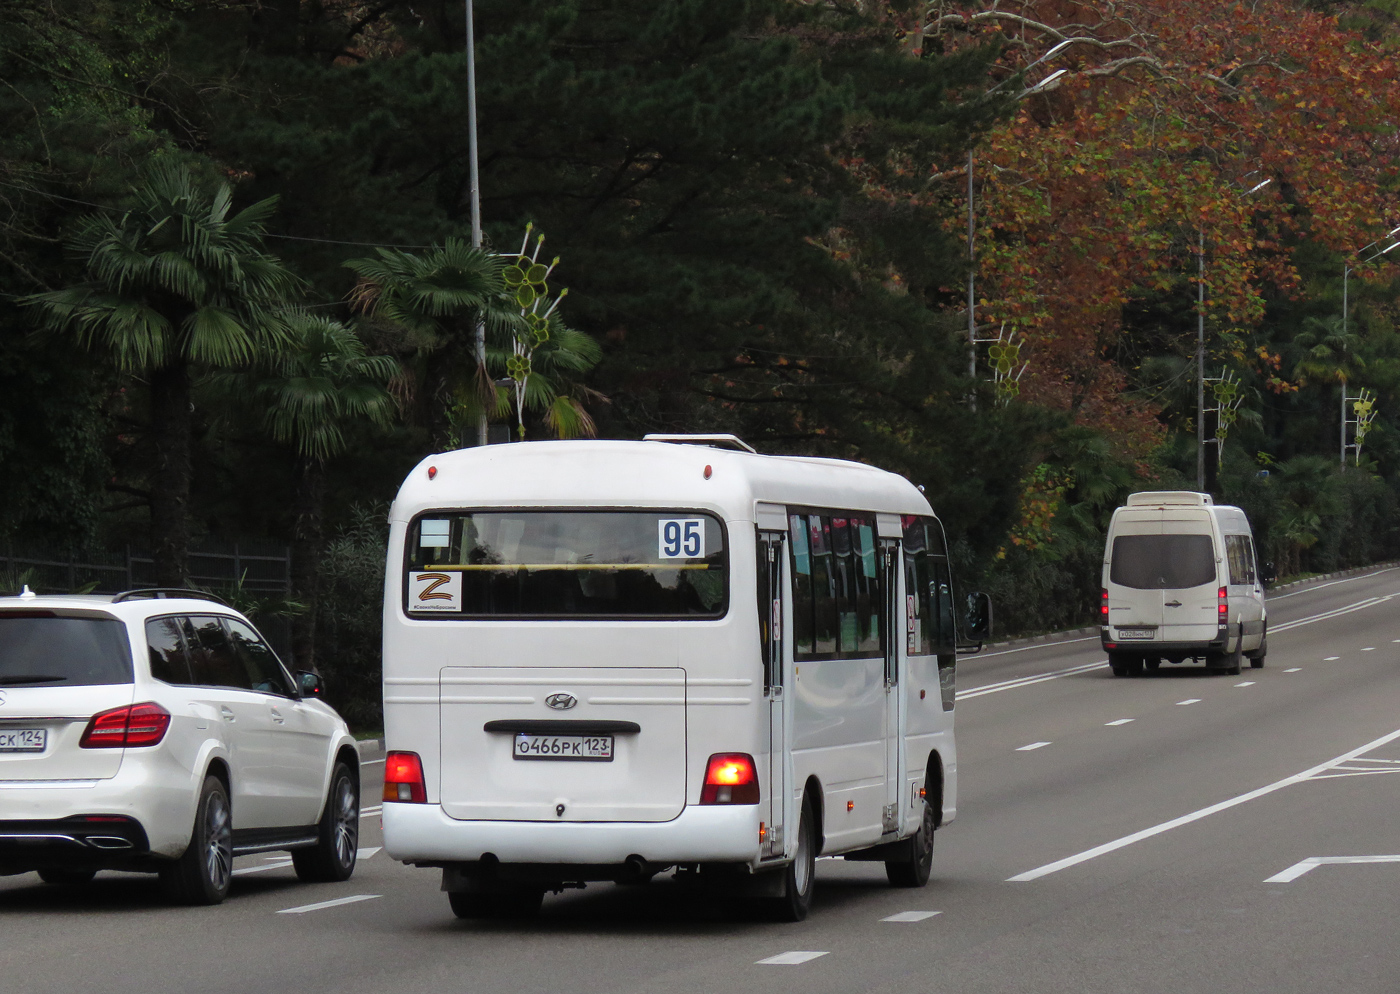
[[435, 591], [680, 538]]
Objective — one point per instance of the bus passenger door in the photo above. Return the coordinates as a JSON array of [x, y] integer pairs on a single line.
[[770, 625], [891, 623]]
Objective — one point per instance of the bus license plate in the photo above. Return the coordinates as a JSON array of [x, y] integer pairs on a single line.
[[23, 739], [1136, 633], [585, 748]]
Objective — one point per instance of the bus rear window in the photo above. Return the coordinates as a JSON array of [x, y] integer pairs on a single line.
[[1162, 562], [566, 564], [38, 651]]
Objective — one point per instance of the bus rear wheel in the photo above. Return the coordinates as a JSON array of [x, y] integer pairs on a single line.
[[800, 875], [914, 869]]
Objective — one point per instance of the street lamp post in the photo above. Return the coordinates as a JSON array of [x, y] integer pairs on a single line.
[[475, 193], [1347, 270], [1201, 342]]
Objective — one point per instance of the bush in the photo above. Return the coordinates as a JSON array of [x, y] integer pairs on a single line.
[[349, 617]]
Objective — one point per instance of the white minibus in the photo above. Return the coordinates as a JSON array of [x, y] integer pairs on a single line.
[[605, 659], [1180, 581]]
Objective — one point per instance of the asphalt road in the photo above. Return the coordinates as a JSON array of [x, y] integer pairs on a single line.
[[1161, 836]]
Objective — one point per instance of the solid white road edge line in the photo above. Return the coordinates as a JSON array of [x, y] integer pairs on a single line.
[[1331, 583], [911, 916], [1167, 826], [1026, 681], [371, 811], [262, 869], [1312, 862], [791, 959], [1041, 645], [1337, 612], [328, 904]]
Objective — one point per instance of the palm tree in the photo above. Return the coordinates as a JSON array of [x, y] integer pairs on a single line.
[[550, 388], [176, 285], [311, 391], [438, 296]]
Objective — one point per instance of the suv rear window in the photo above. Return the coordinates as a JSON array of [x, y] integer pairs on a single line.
[[44, 650], [1162, 562]]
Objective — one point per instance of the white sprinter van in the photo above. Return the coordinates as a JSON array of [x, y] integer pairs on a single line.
[[606, 659], [1180, 581]]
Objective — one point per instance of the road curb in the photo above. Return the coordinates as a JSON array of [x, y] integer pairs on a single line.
[[369, 747], [1070, 634]]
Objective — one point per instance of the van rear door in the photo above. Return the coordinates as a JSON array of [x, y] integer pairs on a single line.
[[1191, 605], [1135, 598]]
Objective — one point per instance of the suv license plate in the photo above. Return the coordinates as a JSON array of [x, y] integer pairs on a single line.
[[1137, 633], [584, 748], [23, 739]]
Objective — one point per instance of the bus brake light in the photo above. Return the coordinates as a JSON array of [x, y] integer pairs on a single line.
[[1223, 604], [730, 778], [1103, 606], [403, 778]]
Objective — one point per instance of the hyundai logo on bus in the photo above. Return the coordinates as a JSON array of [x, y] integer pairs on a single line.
[[561, 702]]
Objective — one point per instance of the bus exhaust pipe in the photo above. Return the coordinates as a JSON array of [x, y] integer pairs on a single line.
[[635, 870]]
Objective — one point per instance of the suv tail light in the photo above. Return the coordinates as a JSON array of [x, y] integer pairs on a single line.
[[403, 778], [1223, 604], [1103, 607], [132, 725], [730, 778]]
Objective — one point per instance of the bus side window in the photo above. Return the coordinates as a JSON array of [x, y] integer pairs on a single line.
[[823, 586], [802, 607], [919, 632]]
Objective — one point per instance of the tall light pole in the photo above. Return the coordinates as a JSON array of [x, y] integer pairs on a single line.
[[1346, 274], [1201, 342], [475, 192]]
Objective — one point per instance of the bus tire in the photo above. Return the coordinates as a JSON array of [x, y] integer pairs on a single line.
[[914, 868], [516, 903], [1118, 664], [799, 876]]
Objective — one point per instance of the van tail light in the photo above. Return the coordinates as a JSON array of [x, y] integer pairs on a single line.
[[403, 778], [730, 778], [132, 725], [1222, 597], [1103, 606]]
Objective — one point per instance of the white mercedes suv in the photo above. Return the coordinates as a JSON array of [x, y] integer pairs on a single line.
[[156, 731]]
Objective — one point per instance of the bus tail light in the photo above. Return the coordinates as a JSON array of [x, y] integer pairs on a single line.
[[403, 778], [1103, 607], [1223, 604], [132, 725], [730, 778]]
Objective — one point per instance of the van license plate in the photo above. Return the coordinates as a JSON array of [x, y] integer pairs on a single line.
[[1136, 633], [23, 739], [585, 748]]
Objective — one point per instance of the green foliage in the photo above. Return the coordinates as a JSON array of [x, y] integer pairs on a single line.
[[350, 615]]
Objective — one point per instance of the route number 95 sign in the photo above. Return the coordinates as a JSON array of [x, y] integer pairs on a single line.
[[680, 538]]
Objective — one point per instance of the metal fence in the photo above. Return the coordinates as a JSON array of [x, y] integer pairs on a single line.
[[258, 567]]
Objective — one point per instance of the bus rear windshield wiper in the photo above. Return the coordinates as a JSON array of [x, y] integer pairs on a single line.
[[7, 680]]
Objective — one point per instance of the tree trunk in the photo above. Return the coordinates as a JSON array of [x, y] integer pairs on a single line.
[[171, 421], [306, 558]]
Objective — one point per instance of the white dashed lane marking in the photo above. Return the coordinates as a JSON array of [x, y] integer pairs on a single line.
[[1293, 669], [354, 899], [1189, 700], [1245, 683], [1033, 745], [911, 916], [1313, 862], [793, 958], [1331, 659], [1369, 648], [1120, 721], [371, 811], [282, 862]]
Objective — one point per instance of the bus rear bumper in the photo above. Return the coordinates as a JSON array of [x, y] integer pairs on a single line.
[[423, 833]]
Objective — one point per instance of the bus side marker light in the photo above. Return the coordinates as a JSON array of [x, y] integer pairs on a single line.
[[922, 693], [709, 471], [762, 831], [923, 793], [403, 778], [432, 472], [850, 805], [730, 778]]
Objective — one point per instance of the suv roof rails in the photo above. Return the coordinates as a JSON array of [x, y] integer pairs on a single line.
[[719, 441], [168, 592]]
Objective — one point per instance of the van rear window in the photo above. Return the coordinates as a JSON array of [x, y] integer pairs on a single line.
[[38, 651], [566, 564], [1162, 562]]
